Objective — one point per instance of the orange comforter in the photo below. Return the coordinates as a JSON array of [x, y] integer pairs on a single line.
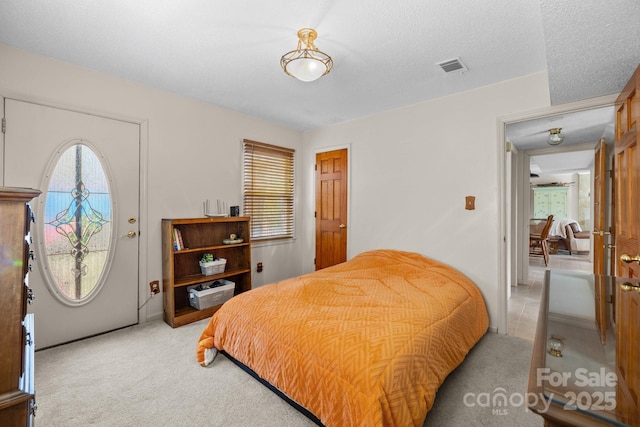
[[363, 343]]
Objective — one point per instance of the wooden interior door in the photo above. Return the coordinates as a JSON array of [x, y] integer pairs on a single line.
[[331, 208], [626, 187], [627, 241], [599, 220]]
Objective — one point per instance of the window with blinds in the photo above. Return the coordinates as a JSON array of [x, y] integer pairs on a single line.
[[268, 190]]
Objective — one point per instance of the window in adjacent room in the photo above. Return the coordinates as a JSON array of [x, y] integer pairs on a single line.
[[268, 190]]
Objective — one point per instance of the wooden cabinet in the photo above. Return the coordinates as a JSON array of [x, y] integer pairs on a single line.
[[181, 269], [17, 395], [592, 323], [550, 201]]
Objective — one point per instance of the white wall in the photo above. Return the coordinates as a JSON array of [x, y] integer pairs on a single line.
[[191, 150], [411, 169]]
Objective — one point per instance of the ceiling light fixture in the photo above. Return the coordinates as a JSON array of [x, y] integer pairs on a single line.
[[306, 63], [555, 137]]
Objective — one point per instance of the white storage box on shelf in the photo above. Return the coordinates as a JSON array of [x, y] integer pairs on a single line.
[[213, 295], [213, 267]]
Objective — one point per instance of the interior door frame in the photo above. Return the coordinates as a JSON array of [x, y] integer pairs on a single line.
[[505, 262], [600, 206], [325, 150], [143, 217]]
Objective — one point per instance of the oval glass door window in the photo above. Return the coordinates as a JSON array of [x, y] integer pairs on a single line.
[[77, 224]]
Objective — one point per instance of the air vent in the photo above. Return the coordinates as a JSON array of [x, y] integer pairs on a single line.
[[453, 65]]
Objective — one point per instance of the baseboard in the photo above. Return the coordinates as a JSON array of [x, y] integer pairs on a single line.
[[152, 317]]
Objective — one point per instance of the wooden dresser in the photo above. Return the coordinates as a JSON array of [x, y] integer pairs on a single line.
[[17, 394], [577, 375]]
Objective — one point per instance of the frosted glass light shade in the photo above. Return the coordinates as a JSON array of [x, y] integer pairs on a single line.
[[555, 137], [306, 64], [306, 69]]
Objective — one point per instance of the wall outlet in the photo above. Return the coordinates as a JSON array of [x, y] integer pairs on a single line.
[[154, 287]]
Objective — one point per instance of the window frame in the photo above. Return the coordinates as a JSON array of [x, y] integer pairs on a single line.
[[51, 279], [253, 195]]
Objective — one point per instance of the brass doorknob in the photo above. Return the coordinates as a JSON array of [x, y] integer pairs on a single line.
[[628, 286], [628, 258], [130, 234], [342, 226]]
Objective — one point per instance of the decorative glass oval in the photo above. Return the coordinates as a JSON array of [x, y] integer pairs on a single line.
[[77, 224]]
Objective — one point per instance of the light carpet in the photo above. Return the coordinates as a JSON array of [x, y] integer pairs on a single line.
[[147, 375]]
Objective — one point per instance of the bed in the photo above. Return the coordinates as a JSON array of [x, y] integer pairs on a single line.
[[363, 343]]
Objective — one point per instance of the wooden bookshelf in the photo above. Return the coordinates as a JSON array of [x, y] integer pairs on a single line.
[[181, 270]]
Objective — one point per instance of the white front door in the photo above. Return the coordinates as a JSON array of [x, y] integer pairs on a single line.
[[85, 277]]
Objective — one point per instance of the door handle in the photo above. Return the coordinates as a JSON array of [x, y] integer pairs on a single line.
[[342, 226], [130, 234], [628, 286], [628, 258], [600, 233]]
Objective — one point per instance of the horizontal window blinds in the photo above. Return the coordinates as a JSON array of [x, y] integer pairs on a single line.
[[268, 190]]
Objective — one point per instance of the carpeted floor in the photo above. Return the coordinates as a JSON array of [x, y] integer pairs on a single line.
[[146, 375], [497, 366]]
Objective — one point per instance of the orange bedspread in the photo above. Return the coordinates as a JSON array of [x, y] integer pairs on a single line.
[[364, 343]]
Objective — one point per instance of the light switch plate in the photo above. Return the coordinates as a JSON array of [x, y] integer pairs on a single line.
[[470, 203]]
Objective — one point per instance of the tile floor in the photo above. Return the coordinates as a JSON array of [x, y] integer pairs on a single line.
[[524, 303]]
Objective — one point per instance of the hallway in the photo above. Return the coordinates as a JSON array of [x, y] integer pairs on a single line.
[[524, 304]]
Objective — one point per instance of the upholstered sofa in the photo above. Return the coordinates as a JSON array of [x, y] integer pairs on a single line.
[[571, 237]]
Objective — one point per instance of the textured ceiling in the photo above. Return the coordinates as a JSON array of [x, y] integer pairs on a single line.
[[385, 51], [580, 127], [592, 46], [561, 163]]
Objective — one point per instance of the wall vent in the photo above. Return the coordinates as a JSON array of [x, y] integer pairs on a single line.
[[452, 65]]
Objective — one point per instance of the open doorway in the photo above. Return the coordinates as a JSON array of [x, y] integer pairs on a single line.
[[557, 190], [526, 139]]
